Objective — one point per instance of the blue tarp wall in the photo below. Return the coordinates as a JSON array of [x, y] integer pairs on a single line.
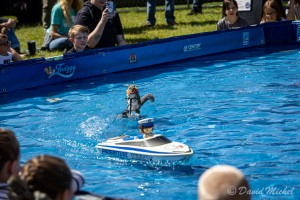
[[39, 72]]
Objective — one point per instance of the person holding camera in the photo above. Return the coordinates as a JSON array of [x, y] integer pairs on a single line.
[[294, 10], [103, 22]]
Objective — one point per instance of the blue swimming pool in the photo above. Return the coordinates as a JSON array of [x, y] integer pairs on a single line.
[[240, 108]]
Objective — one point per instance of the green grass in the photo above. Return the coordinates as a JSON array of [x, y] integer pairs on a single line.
[[133, 20]]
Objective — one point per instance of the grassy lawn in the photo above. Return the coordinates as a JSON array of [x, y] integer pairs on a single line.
[[133, 20]]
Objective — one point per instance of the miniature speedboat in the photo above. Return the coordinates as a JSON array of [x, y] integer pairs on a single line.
[[154, 148]]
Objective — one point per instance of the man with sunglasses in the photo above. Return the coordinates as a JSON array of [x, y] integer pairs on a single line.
[[7, 54]]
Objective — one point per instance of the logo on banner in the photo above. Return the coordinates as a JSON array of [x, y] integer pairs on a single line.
[[132, 58], [61, 69], [246, 38], [192, 47]]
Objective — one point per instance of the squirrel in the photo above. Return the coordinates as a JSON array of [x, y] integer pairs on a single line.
[[134, 101]]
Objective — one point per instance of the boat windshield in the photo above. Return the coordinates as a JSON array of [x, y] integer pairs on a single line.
[[151, 142], [157, 141]]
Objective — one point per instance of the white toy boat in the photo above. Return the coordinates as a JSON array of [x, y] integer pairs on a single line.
[[154, 148]]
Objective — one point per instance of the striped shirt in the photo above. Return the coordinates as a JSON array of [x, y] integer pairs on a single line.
[[3, 191]]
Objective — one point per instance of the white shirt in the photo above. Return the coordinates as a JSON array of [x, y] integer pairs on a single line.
[[6, 59]]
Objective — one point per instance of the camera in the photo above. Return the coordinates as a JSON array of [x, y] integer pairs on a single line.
[[110, 6]]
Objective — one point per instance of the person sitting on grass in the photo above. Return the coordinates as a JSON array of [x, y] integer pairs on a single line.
[[231, 18], [7, 54], [10, 25], [62, 19], [78, 35]]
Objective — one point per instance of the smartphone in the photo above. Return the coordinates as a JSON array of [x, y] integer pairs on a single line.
[[110, 6]]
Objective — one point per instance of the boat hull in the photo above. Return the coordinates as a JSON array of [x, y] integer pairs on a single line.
[[144, 156], [154, 148]]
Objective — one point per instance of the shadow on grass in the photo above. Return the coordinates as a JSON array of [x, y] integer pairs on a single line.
[[142, 29]]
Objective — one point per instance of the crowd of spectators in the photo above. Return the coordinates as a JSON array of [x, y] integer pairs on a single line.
[[63, 15], [77, 26], [44, 177], [47, 177], [105, 28]]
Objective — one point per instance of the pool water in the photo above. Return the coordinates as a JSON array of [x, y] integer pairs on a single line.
[[240, 108]]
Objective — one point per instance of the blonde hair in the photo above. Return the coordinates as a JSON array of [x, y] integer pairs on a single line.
[[9, 145], [76, 29], [66, 8], [274, 5], [45, 174], [223, 182]]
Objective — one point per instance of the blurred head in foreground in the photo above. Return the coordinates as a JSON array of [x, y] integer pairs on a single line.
[[223, 182]]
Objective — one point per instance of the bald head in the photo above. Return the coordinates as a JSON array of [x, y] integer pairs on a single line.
[[223, 182]]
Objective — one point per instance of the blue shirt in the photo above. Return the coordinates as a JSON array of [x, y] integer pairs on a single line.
[[58, 18]]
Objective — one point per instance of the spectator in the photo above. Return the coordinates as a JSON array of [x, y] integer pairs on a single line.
[[272, 12], [280, 4], [7, 54], [10, 24], [231, 18], [294, 10], [223, 182], [105, 28], [78, 35], [43, 175], [196, 8], [62, 19], [10, 163], [46, 17], [9, 159], [169, 12]]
